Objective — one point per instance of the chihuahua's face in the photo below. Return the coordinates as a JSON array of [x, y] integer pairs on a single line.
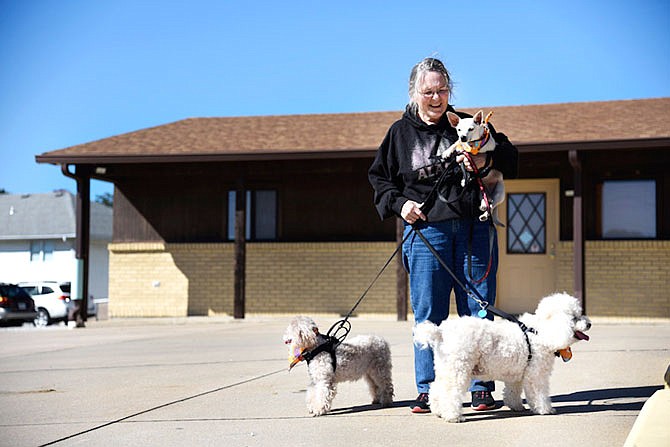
[[468, 129]]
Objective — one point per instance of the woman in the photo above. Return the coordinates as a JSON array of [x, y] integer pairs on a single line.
[[407, 180]]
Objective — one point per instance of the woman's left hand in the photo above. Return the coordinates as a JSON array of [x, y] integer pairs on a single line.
[[479, 160]]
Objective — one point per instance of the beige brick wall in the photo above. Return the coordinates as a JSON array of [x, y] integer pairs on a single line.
[[156, 280], [198, 279], [623, 278], [319, 278]]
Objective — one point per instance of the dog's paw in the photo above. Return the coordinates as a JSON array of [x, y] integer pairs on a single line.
[[455, 419], [383, 402], [518, 408], [544, 410]]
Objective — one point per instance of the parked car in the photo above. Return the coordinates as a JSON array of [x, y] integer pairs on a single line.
[[50, 301], [16, 305]]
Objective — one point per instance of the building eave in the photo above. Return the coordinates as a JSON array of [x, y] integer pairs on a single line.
[[540, 146]]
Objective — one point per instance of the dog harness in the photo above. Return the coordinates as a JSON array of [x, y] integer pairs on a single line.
[[328, 345], [525, 329]]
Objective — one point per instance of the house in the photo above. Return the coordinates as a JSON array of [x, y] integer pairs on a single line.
[[273, 214], [37, 240]]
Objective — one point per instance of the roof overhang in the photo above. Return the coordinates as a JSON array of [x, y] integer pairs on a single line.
[[559, 146]]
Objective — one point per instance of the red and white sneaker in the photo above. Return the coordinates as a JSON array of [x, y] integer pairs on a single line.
[[482, 400], [420, 405]]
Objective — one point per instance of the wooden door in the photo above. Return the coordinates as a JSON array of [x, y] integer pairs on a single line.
[[527, 269]]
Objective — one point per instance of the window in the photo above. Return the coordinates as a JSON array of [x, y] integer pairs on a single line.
[[526, 223], [628, 209], [261, 215], [48, 251], [41, 251], [32, 290], [35, 251]]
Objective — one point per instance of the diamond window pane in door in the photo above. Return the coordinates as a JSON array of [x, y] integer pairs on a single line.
[[526, 223]]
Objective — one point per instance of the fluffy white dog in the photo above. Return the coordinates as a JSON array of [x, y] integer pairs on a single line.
[[363, 356], [470, 347]]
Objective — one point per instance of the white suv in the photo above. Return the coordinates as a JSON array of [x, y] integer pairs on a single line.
[[50, 301]]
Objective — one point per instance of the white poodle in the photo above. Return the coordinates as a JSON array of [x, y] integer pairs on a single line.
[[470, 347], [365, 356]]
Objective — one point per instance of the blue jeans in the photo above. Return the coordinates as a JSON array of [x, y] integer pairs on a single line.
[[458, 243]]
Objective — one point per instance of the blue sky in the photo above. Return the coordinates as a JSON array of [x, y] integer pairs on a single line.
[[75, 71]]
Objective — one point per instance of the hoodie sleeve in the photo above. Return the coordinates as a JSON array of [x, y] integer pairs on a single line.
[[505, 155], [385, 181]]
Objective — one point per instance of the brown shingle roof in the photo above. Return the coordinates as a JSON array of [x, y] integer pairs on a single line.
[[352, 134]]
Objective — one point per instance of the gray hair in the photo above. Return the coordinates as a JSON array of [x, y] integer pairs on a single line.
[[418, 72]]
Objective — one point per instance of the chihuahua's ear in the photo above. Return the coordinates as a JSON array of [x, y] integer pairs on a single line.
[[479, 116], [453, 119]]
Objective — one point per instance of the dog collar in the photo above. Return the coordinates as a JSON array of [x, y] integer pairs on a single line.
[[474, 146]]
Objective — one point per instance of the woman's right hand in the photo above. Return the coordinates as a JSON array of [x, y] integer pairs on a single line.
[[411, 212]]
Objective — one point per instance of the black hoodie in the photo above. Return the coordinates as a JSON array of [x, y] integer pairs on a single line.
[[406, 168]]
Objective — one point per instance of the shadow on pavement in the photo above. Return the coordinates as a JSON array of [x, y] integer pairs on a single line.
[[607, 399]]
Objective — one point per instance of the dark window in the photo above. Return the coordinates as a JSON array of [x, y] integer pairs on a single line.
[[261, 215], [628, 209]]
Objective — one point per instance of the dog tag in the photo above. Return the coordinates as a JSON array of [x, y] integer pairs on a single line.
[[482, 313]]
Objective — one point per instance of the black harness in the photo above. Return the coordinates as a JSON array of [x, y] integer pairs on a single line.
[[525, 329], [329, 344]]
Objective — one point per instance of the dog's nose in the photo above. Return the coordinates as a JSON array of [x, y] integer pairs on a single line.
[[464, 139]]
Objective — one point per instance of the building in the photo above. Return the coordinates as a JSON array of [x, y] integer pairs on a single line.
[[37, 240], [588, 214]]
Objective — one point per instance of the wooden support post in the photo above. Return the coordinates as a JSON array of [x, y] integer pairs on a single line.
[[82, 176], [240, 251], [578, 229]]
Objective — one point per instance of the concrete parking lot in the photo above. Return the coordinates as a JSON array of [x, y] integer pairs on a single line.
[[219, 381]]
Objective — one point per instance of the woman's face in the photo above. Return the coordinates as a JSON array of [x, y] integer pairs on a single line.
[[432, 97]]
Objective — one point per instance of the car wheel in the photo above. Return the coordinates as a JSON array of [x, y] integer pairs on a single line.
[[42, 318]]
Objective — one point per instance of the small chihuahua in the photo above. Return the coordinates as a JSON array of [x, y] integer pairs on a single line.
[[474, 137]]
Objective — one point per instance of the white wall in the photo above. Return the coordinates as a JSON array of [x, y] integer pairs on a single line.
[[16, 266]]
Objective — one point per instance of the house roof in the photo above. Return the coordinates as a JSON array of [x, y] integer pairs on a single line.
[[49, 216], [530, 127]]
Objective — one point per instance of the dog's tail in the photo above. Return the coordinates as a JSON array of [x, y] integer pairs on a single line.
[[427, 334]]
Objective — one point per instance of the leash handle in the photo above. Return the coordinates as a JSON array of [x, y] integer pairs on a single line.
[[341, 330]]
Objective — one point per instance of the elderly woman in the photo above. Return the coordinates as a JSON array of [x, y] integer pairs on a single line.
[[403, 176]]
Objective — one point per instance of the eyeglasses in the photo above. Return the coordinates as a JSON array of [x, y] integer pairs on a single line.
[[430, 93]]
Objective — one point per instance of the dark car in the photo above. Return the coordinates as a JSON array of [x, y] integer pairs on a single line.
[[16, 306]]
